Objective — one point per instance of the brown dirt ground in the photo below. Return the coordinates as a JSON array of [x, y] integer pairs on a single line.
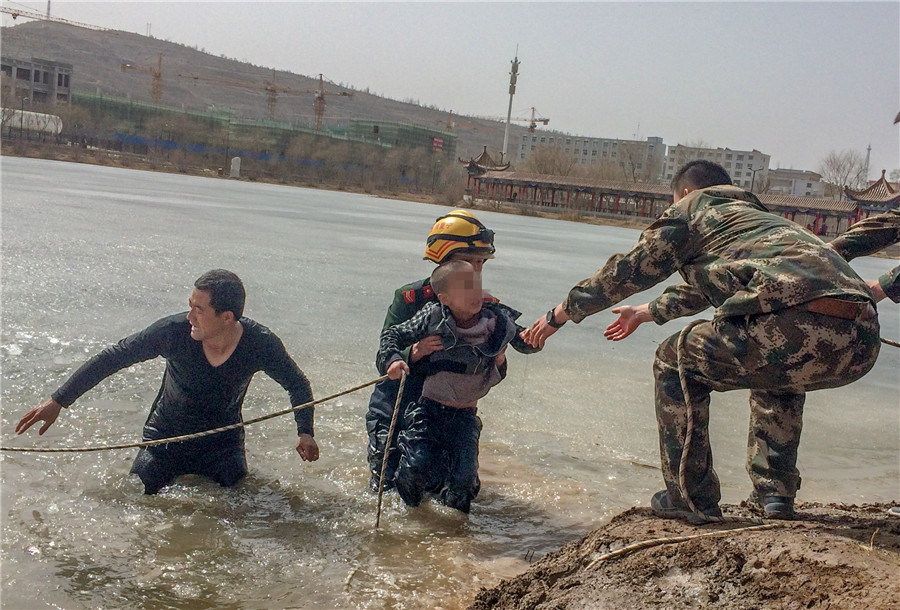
[[832, 556]]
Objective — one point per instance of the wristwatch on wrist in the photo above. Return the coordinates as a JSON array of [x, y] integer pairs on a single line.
[[551, 320]]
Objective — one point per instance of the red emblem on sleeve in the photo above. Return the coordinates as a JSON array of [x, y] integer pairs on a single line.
[[427, 292], [409, 296]]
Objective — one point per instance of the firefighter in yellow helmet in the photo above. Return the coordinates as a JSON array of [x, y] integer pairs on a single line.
[[461, 233], [458, 235]]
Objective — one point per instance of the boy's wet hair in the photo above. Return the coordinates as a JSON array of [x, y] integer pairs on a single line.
[[441, 276], [226, 291], [699, 174]]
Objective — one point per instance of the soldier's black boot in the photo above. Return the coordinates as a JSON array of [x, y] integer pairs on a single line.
[[774, 507], [662, 506]]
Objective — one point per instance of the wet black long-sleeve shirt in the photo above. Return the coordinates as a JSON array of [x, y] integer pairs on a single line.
[[195, 395]]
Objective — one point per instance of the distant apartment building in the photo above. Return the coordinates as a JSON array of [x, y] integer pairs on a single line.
[[39, 80], [643, 158], [746, 167], [796, 183]]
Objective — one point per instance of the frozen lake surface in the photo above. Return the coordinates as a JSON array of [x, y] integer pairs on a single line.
[[91, 254]]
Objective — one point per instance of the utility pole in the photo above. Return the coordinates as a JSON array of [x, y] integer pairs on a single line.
[[22, 118], [513, 76], [753, 176], [865, 179]]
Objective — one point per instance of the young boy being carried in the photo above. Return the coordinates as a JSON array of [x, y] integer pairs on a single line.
[[439, 439]]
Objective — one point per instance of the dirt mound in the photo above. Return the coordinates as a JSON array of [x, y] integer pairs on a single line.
[[832, 556]]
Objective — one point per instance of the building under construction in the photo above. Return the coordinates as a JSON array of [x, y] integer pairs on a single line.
[[37, 80], [390, 134]]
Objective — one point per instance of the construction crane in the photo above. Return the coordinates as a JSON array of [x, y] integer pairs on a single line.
[[319, 104], [532, 122], [451, 124], [15, 13], [270, 88], [272, 91], [156, 73]]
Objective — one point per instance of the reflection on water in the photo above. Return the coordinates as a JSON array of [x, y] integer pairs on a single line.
[[88, 262]]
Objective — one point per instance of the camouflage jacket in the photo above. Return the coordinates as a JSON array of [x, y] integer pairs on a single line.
[[732, 253], [869, 236]]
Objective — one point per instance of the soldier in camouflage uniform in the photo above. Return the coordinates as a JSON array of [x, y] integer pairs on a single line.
[[791, 316], [867, 237]]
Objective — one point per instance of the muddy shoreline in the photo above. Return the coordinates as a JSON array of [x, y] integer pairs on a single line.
[[832, 556]]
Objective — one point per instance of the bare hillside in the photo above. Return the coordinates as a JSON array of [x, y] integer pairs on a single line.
[[97, 58]]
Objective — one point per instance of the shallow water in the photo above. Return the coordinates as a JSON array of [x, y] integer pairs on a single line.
[[91, 254]]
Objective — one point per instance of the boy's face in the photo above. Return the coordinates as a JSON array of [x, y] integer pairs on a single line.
[[464, 296]]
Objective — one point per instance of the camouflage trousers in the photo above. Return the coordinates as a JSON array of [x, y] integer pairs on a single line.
[[778, 357]]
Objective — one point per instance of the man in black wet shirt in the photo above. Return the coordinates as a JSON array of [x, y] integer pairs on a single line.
[[211, 354]]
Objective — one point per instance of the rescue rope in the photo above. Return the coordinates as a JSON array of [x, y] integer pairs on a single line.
[[893, 343], [387, 445], [704, 518], [689, 431], [682, 483], [682, 377], [186, 437], [675, 539]]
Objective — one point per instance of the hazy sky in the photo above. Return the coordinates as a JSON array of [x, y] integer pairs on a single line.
[[793, 80]]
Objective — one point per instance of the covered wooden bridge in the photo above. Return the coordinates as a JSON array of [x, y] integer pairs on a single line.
[[825, 217], [566, 193]]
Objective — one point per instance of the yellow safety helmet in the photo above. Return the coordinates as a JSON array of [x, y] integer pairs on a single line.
[[458, 231]]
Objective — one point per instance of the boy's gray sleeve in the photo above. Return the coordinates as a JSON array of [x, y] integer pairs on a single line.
[[518, 343], [394, 339]]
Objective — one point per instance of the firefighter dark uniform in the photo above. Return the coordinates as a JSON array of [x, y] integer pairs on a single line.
[[439, 443], [458, 233]]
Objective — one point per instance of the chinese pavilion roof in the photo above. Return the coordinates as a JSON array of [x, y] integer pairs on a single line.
[[484, 163], [881, 192]]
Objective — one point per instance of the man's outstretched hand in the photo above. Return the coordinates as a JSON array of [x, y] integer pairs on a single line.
[[629, 319], [541, 330], [46, 412]]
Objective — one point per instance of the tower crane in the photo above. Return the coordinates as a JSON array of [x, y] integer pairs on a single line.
[[156, 73], [15, 13], [451, 124], [319, 104], [532, 122], [272, 90]]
